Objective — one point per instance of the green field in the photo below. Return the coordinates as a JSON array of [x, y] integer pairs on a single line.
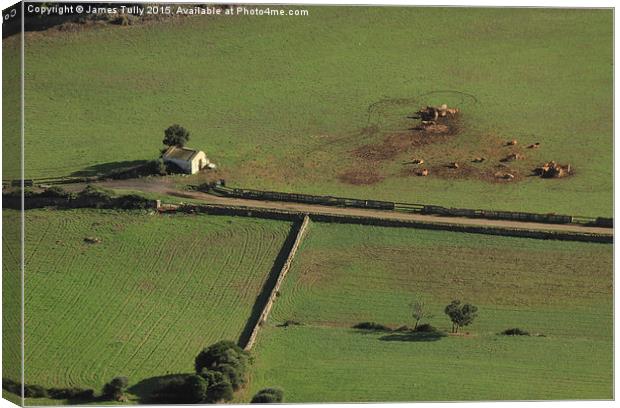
[[344, 275], [144, 301], [281, 102]]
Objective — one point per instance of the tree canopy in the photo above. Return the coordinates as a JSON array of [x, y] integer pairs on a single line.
[[176, 135], [460, 314], [267, 396]]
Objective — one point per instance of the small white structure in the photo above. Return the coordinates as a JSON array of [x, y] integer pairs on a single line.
[[189, 160]]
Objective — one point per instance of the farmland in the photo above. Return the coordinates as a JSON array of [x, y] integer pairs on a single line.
[[144, 300], [344, 275], [287, 103]]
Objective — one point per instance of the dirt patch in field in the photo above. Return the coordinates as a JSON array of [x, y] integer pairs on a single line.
[[370, 157], [361, 176], [466, 171], [396, 143], [435, 146]]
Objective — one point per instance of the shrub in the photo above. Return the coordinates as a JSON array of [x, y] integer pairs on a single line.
[[95, 197], [176, 135], [515, 332], [290, 323], [115, 389], [181, 389], [425, 328], [460, 315], [227, 358], [35, 391], [220, 388], [132, 202], [12, 386], [169, 390], [156, 167], [82, 394], [268, 395], [54, 192], [371, 326]]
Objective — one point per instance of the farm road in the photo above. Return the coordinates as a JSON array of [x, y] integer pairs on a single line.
[[168, 188]]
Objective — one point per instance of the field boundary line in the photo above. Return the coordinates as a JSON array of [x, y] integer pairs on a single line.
[[320, 216], [276, 287]]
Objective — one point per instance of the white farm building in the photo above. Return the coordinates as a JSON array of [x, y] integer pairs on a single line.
[[189, 160]]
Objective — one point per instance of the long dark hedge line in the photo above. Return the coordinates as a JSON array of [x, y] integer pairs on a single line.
[[38, 391], [90, 197]]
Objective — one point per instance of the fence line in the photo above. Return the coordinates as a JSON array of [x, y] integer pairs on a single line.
[[276, 287], [551, 218]]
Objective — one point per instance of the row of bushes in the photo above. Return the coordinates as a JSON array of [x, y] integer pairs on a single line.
[[90, 197], [427, 328], [373, 326], [221, 369], [70, 393]]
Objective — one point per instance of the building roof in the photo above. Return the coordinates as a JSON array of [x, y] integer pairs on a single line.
[[180, 153]]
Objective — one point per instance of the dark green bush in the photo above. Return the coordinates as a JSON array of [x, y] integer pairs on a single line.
[[515, 332], [35, 391], [81, 394], [181, 389], [176, 135], [156, 167], [115, 389], [425, 328], [290, 323], [54, 192], [220, 388], [268, 396], [227, 358], [132, 202], [12, 386], [371, 326], [95, 197]]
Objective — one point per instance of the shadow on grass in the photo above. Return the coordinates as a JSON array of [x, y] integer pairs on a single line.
[[413, 336], [372, 331], [145, 388], [103, 169], [263, 296]]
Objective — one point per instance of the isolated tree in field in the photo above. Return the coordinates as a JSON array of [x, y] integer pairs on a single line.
[[461, 315], [176, 135], [419, 311]]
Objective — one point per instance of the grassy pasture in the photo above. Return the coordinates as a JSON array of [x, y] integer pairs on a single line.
[[281, 103], [344, 275], [144, 301]]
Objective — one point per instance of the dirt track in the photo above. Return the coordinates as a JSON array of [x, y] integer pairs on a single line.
[[168, 188]]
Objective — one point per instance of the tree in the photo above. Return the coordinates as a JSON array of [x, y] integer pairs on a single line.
[[419, 311], [220, 387], [460, 315], [196, 389], [267, 396], [181, 389], [176, 135], [115, 389], [227, 358], [222, 352]]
